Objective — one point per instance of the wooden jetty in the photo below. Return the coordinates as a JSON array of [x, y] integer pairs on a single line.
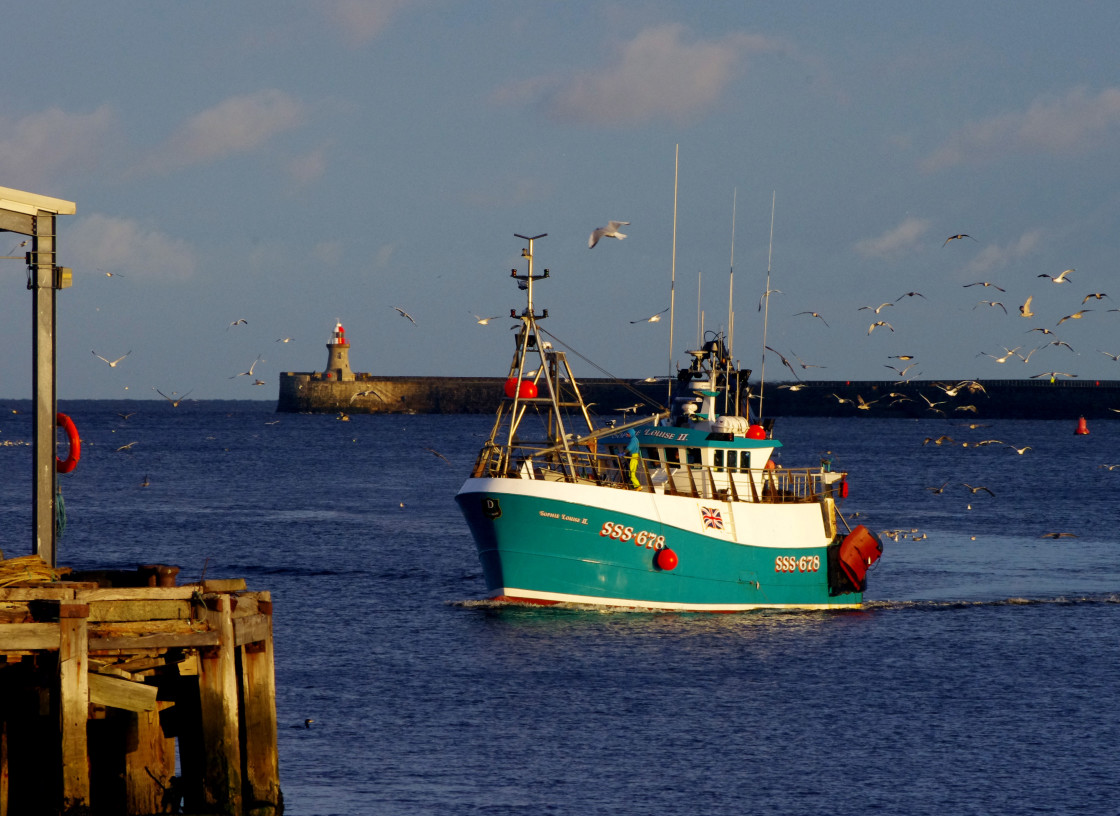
[[106, 678]]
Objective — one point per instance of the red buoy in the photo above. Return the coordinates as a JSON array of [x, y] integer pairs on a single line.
[[527, 389], [1082, 428], [756, 432], [858, 551], [666, 559], [510, 387]]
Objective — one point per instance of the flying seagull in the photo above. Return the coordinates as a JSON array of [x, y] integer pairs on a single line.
[[1058, 279], [1097, 295], [1074, 316], [978, 488], [237, 322], [813, 314], [403, 313], [609, 231], [985, 283], [992, 303], [957, 238], [876, 309], [174, 402], [1025, 309], [651, 318], [112, 363], [483, 321], [248, 373], [871, 328]]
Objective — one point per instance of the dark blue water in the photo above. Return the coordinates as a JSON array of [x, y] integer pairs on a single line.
[[981, 677]]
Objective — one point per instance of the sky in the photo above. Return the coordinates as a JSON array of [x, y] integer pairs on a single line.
[[296, 164]]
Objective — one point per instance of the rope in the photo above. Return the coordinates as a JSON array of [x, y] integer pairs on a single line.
[[59, 513], [26, 568]]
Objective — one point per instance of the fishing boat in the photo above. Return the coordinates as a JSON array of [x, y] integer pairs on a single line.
[[680, 509]]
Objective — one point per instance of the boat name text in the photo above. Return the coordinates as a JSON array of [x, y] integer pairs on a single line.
[[641, 538], [677, 435], [788, 563], [575, 519]]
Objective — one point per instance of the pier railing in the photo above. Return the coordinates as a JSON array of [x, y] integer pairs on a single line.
[[775, 486]]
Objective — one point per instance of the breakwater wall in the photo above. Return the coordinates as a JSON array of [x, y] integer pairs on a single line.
[[992, 399]]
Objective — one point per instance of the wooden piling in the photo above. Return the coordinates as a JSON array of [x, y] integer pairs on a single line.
[[128, 674]]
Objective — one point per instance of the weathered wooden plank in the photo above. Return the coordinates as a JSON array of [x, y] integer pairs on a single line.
[[163, 640], [117, 692], [217, 693], [258, 685], [139, 610], [22, 636], [181, 593], [35, 593], [74, 710], [117, 628], [223, 585], [251, 629]]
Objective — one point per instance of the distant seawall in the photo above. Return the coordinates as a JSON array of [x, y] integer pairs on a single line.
[[1000, 399]]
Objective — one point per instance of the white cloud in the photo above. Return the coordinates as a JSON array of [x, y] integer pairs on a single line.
[[43, 146], [107, 244], [235, 125], [362, 20], [996, 256], [1069, 125], [660, 74], [894, 242]]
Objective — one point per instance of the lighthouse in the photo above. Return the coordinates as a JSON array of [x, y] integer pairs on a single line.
[[338, 357]]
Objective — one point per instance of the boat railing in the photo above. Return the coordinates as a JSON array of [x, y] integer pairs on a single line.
[[765, 485]]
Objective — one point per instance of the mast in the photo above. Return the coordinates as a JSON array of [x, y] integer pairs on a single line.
[[673, 278], [766, 296]]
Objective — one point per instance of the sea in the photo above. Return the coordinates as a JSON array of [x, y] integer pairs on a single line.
[[982, 675]]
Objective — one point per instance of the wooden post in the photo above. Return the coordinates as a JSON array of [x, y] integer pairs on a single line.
[[73, 707], [149, 762], [258, 684], [217, 692]]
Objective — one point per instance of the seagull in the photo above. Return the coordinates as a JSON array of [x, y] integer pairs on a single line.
[[767, 294], [1052, 375], [871, 328], [978, 489], [876, 309], [368, 393], [957, 238], [984, 283], [1115, 357], [901, 372], [609, 231], [933, 406], [1097, 295], [1044, 331], [1075, 316], [259, 382], [937, 490], [1021, 450], [403, 313], [939, 440], [1058, 279], [992, 303], [484, 321], [1057, 535], [863, 405], [841, 400], [1004, 358], [912, 294], [248, 373], [651, 318], [126, 447], [901, 357], [804, 364], [1027, 357], [237, 322], [113, 275], [434, 452], [306, 724], [1110, 468], [1060, 343], [785, 362], [112, 363], [125, 416], [1025, 309], [284, 339], [174, 402], [814, 314], [145, 483]]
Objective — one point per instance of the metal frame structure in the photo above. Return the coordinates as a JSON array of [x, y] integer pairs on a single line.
[[34, 215]]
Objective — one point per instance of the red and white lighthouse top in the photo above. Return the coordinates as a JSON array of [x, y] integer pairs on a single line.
[[339, 336]]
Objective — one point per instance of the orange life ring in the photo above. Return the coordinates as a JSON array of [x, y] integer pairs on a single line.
[[71, 461]]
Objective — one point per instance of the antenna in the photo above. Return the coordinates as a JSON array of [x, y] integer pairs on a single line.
[[673, 280], [731, 294], [766, 314]]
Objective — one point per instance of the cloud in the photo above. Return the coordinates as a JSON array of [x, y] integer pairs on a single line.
[[997, 256], [236, 125], [104, 243], [660, 74], [44, 146], [895, 242], [360, 21], [1061, 126]]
